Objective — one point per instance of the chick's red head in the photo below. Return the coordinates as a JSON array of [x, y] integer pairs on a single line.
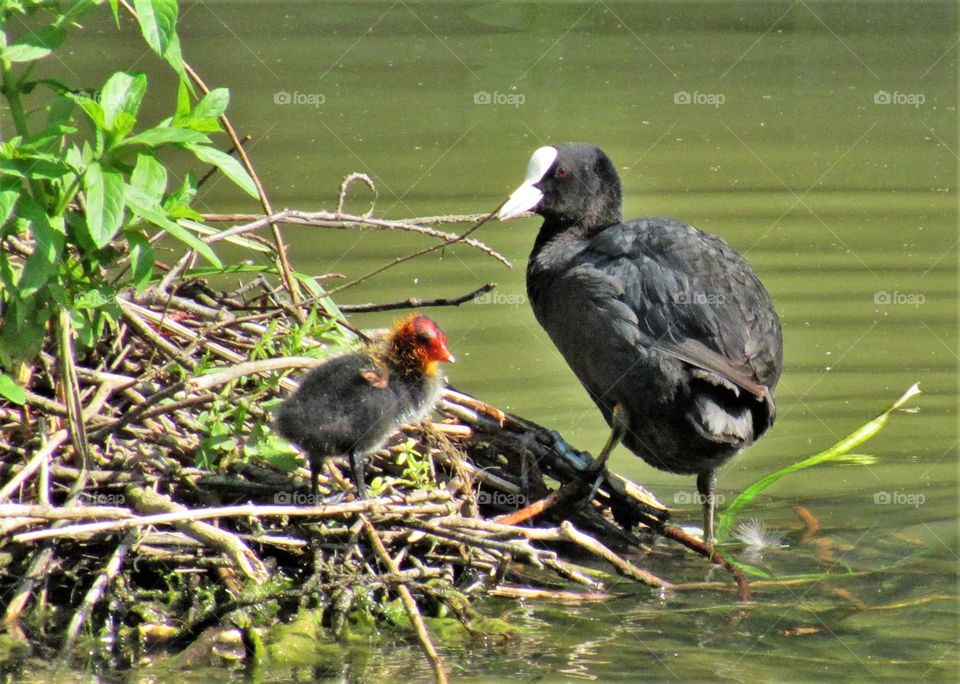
[[418, 340]]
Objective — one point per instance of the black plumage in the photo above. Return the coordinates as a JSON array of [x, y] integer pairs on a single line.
[[351, 403], [658, 318]]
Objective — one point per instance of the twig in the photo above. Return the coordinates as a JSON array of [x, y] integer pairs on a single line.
[[420, 252], [41, 512], [743, 585], [345, 187], [439, 675], [106, 576], [145, 331], [532, 510], [561, 596], [414, 303], [380, 506], [70, 389], [246, 560], [565, 532], [328, 219], [53, 443], [569, 532]]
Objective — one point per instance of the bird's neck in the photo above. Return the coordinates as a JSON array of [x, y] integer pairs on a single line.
[[409, 364], [559, 242]]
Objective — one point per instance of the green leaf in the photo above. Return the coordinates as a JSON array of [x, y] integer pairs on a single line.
[[48, 237], [239, 240], [85, 327], [213, 104], [104, 190], [149, 176], [8, 200], [174, 58], [184, 195], [59, 111], [34, 166], [120, 99], [141, 258], [230, 167], [92, 109], [35, 45], [165, 135], [183, 101], [95, 298], [726, 519], [146, 208], [58, 125], [206, 115], [11, 391], [158, 22]]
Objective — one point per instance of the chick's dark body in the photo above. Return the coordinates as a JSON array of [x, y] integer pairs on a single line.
[[349, 405]]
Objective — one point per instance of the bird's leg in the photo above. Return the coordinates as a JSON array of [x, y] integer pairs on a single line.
[[315, 465], [706, 486], [356, 466], [618, 428]]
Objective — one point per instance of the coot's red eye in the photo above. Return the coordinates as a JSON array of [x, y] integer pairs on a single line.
[[561, 172]]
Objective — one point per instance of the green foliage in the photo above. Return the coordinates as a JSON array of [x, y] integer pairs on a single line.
[[226, 424], [83, 182], [839, 452], [416, 471]]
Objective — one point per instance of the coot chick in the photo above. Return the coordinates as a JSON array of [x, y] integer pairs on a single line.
[[667, 327], [351, 403]]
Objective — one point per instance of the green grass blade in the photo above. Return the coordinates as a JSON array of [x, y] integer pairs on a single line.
[[726, 518]]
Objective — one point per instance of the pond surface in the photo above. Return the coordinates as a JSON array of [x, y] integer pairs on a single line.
[[819, 139]]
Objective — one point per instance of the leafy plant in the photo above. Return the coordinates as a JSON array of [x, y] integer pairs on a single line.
[[84, 187], [416, 471]]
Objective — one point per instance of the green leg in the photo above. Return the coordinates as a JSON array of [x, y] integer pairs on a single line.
[[618, 427], [706, 486]]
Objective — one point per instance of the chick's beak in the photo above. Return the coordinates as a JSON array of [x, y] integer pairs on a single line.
[[438, 350]]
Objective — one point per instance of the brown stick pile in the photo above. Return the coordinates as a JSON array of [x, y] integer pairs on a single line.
[[114, 481]]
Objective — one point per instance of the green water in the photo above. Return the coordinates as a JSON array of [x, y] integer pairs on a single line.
[[820, 140]]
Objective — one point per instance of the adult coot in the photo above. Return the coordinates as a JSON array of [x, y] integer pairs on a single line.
[[352, 402], [667, 327]]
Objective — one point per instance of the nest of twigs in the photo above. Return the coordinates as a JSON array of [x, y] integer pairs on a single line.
[[117, 488]]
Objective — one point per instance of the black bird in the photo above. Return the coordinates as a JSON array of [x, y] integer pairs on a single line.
[[351, 403], [667, 327]]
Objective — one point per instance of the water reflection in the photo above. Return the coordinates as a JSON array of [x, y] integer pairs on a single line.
[[796, 131]]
